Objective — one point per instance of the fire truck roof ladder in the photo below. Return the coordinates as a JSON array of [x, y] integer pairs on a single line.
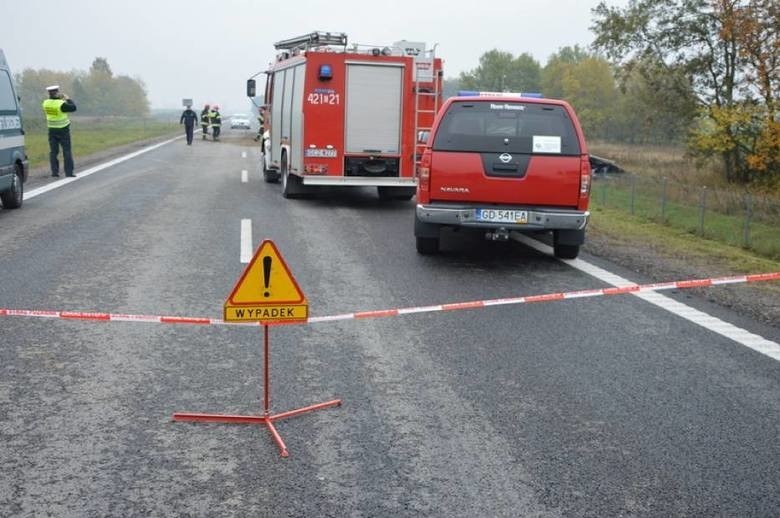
[[425, 68], [313, 39]]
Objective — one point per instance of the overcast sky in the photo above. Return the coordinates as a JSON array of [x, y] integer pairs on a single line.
[[206, 50]]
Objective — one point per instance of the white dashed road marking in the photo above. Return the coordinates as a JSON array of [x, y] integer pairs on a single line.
[[246, 240]]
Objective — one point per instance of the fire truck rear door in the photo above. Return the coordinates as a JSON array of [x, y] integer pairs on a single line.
[[373, 118]]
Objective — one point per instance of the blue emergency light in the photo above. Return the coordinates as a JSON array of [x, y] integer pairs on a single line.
[[325, 73], [476, 93]]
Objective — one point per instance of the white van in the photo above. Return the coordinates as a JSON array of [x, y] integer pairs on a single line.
[[13, 160]]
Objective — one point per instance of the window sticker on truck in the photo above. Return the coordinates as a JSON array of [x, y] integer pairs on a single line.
[[507, 106], [546, 144]]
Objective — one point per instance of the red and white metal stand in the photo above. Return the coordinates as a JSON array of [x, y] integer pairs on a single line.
[[267, 418]]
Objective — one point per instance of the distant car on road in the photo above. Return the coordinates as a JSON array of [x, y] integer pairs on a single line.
[[239, 120]]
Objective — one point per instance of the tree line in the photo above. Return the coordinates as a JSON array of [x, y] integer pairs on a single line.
[[97, 92], [704, 73]]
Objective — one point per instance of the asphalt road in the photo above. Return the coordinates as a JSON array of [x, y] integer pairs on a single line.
[[592, 407]]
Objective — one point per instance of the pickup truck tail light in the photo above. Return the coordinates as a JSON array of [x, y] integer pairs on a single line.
[[424, 171], [585, 182], [585, 177]]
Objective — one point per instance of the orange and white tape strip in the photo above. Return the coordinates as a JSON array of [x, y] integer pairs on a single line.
[[456, 306]]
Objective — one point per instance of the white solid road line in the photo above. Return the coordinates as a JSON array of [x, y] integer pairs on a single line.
[[246, 240], [732, 332], [92, 170], [244, 176]]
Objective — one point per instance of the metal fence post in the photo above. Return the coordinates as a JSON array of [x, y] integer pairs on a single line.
[[702, 209], [633, 193], [748, 214], [663, 201]]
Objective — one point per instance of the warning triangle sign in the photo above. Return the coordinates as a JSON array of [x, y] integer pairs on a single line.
[[266, 291], [266, 280]]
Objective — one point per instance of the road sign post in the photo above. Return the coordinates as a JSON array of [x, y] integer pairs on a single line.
[[266, 293]]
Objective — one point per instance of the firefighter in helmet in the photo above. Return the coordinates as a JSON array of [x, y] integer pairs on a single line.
[[216, 122], [204, 120]]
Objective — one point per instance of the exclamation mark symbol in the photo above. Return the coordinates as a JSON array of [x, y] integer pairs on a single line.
[[267, 274]]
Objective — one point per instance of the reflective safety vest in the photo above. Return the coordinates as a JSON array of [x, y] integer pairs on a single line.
[[215, 118], [55, 117], [204, 118]]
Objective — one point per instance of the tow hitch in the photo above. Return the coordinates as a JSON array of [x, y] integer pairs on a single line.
[[500, 234]]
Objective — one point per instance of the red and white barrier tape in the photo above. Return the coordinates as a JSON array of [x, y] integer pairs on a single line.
[[547, 297]]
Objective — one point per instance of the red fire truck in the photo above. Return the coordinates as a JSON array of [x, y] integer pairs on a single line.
[[347, 115]]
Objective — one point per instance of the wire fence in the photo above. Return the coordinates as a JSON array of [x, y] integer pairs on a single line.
[[738, 219]]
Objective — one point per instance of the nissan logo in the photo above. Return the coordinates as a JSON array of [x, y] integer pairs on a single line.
[[505, 157]]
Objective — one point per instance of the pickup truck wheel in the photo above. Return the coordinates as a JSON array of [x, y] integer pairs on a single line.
[[12, 199], [566, 251], [291, 184], [427, 245]]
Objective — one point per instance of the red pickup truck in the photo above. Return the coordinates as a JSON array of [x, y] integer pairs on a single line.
[[503, 163]]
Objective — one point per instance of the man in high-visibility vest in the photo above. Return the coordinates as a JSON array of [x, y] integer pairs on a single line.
[[216, 122], [56, 109]]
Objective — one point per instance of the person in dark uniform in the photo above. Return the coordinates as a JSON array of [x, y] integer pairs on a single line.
[[216, 122], [56, 109], [188, 118], [204, 120]]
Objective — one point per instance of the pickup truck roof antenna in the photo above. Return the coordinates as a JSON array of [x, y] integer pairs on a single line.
[[312, 39]]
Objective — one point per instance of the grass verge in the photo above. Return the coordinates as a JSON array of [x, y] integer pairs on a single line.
[[618, 226], [94, 135]]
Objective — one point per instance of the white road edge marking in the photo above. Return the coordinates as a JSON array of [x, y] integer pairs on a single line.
[[244, 176], [246, 240], [92, 170], [732, 332]]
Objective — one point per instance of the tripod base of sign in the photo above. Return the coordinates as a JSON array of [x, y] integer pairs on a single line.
[[267, 418]]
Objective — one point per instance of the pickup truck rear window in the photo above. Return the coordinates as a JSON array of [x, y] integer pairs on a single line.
[[513, 127]]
